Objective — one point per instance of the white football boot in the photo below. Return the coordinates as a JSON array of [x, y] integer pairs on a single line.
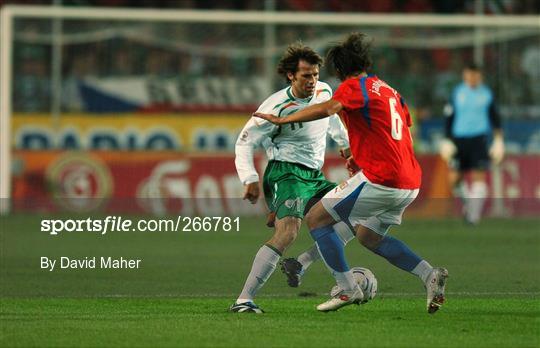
[[435, 283], [342, 299]]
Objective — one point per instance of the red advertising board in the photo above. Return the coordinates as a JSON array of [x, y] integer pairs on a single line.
[[173, 183]]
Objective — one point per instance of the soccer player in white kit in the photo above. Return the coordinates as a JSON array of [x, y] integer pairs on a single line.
[[293, 180]]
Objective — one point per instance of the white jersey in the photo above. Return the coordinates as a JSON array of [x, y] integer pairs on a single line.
[[303, 143]]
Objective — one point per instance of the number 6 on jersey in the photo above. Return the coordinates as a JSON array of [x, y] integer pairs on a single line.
[[397, 122]]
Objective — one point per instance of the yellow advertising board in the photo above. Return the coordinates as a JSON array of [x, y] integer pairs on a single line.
[[185, 131]]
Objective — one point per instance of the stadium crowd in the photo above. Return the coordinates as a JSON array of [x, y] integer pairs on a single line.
[[425, 75]]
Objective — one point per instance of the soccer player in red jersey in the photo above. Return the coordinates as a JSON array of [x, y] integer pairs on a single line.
[[375, 198]]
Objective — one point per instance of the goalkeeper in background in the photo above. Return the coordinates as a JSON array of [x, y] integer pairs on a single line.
[[471, 117]]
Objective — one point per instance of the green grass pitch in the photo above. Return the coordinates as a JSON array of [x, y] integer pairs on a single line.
[[180, 295]]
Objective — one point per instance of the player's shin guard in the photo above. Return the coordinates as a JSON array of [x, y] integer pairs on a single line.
[[397, 253], [331, 249]]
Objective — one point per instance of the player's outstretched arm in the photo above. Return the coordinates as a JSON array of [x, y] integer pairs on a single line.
[[311, 113]]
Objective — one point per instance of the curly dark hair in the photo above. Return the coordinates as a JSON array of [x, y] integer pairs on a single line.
[[293, 55], [352, 56]]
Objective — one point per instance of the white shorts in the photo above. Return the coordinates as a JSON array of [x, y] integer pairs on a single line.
[[358, 201]]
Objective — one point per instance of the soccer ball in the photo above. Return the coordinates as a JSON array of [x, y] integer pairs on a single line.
[[367, 281]]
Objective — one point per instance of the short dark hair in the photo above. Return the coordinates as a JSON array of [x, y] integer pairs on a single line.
[[472, 66], [352, 56], [293, 55]]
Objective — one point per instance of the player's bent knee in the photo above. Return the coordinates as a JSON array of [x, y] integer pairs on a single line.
[[285, 233], [310, 220], [281, 241], [288, 224], [318, 217], [314, 221], [289, 236], [368, 238], [370, 244]]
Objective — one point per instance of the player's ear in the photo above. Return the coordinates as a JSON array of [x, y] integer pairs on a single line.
[[290, 76]]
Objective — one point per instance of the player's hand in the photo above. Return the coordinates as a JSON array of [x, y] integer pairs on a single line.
[[270, 118], [496, 151], [345, 153], [271, 219], [252, 192], [351, 166], [447, 149]]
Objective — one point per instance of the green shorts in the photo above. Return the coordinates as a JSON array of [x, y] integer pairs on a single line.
[[290, 189]]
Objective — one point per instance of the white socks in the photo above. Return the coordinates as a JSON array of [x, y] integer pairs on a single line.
[[476, 200], [266, 260], [422, 270], [308, 256], [462, 191], [312, 254], [345, 280], [263, 266], [473, 199]]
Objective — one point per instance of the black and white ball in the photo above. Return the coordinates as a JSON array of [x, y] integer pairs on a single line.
[[367, 281]]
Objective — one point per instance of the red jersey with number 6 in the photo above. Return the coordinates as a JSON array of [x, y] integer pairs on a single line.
[[378, 122]]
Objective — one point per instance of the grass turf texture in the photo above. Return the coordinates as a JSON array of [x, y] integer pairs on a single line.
[[180, 294]]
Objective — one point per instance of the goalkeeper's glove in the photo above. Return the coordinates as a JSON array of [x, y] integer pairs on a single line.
[[496, 151], [447, 149]]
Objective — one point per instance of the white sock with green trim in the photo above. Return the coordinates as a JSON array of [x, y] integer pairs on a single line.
[[263, 266]]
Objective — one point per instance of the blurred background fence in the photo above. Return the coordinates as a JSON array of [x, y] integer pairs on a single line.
[[119, 87]]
